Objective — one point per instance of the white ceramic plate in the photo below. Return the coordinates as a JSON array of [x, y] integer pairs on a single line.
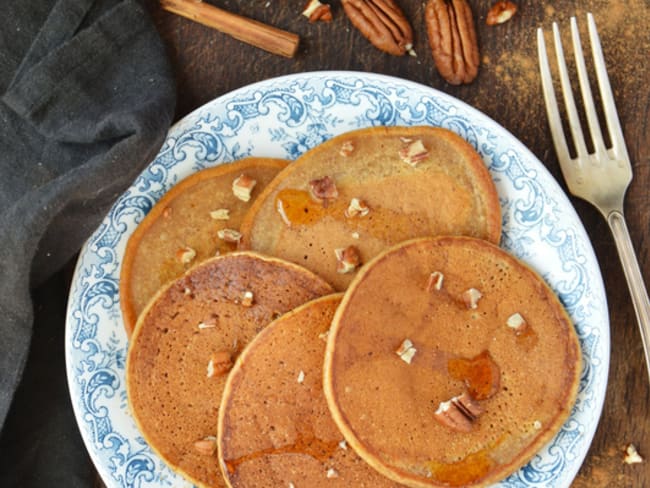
[[284, 117]]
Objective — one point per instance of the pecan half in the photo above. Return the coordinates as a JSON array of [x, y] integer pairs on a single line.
[[453, 41], [383, 23], [459, 413]]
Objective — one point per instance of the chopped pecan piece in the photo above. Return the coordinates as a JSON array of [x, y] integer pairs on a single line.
[[206, 446], [242, 187], [471, 297], [219, 364], [315, 11], [185, 255], [502, 11], [517, 323], [632, 456], [435, 281], [357, 208], [220, 214], [229, 235], [247, 299], [348, 259], [347, 148], [323, 190], [413, 152], [406, 351], [459, 413]]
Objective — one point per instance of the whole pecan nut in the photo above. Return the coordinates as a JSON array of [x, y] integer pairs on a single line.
[[453, 41], [383, 23]]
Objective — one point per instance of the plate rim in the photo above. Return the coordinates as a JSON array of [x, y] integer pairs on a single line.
[[265, 84]]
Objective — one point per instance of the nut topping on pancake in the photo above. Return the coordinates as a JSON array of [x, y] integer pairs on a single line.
[[471, 298], [332, 473], [242, 187], [206, 446], [357, 208], [347, 258], [435, 281], [346, 148], [516, 322], [323, 190], [414, 152], [247, 299], [219, 364], [406, 351], [220, 214], [459, 413], [229, 235], [185, 255]]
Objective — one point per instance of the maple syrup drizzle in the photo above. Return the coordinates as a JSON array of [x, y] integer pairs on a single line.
[[469, 469], [308, 445], [298, 208], [480, 374]]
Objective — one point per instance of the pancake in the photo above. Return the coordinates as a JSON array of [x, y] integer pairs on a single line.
[[185, 342], [275, 429], [368, 189], [180, 230], [450, 363]]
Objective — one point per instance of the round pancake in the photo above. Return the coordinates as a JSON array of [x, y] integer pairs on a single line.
[[275, 429], [181, 220], [477, 391], [185, 342], [447, 190]]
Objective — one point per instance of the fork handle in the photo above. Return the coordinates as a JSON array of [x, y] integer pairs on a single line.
[[633, 276]]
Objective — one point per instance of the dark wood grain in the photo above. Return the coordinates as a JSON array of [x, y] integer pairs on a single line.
[[209, 64]]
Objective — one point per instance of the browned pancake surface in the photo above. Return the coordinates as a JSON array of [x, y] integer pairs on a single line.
[[448, 192], [524, 381], [275, 428], [182, 220], [201, 317]]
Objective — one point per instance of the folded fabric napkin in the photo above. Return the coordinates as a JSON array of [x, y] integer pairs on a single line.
[[87, 98]]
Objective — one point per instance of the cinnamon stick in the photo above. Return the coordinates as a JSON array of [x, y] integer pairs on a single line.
[[271, 39]]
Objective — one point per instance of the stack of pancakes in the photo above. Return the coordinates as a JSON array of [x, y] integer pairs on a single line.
[[444, 361]]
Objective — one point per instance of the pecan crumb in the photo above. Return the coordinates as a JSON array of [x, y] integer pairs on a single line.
[[502, 11], [459, 413], [413, 153], [203, 325], [332, 473], [315, 11], [206, 446], [435, 281], [323, 190], [185, 255], [471, 297], [346, 149], [347, 258], [516, 322], [219, 364], [343, 445], [357, 208], [242, 187], [229, 235], [301, 376], [247, 299], [220, 214], [632, 456], [406, 351]]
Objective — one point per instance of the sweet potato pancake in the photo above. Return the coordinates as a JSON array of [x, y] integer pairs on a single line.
[[450, 363], [344, 201], [184, 227], [187, 339]]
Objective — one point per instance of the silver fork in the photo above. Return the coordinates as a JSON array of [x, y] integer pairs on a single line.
[[600, 177]]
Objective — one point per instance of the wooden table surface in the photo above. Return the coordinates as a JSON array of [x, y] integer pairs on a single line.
[[208, 64]]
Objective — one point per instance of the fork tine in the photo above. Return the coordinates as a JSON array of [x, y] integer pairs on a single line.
[[569, 101], [613, 124], [587, 97], [552, 111]]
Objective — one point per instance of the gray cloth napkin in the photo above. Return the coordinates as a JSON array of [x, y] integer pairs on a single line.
[[87, 98]]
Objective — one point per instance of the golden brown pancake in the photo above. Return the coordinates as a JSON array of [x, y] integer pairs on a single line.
[[407, 181], [181, 230], [185, 342], [275, 429], [450, 363]]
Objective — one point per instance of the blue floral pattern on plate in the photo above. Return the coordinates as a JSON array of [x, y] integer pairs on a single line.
[[284, 117]]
